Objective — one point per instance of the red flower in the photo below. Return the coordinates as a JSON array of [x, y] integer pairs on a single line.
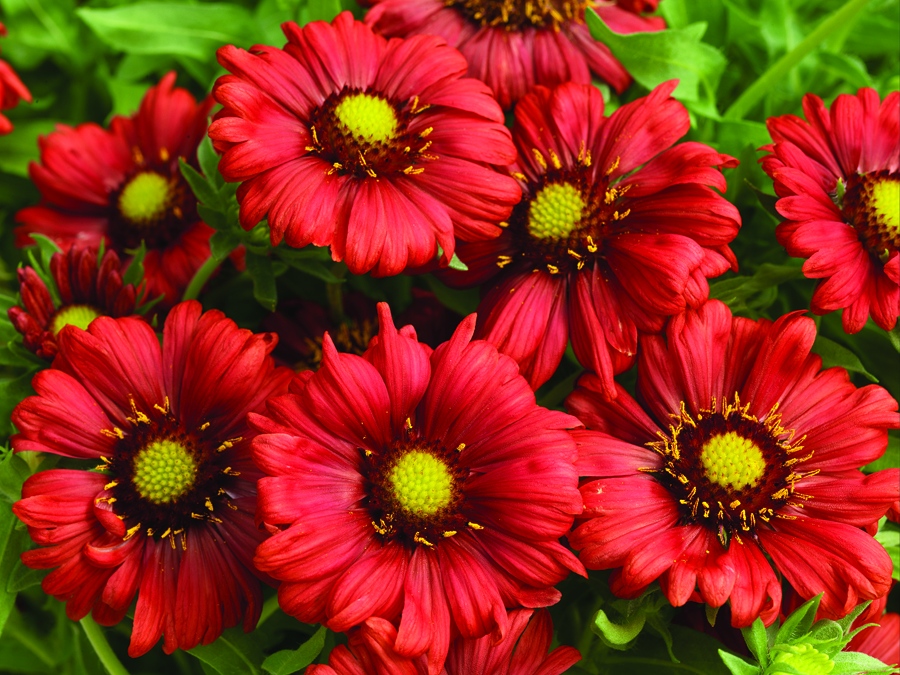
[[838, 176], [168, 513], [618, 229], [123, 185], [425, 487], [11, 90], [743, 451], [87, 288], [517, 44], [881, 641], [377, 148], [522, 652]]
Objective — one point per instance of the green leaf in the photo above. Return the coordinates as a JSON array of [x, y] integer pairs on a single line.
[[889, 537], [320, 10], [203, 191], [737, 665], [21, 148], [260, 270], [757, 640], [834, 354], [169, 28], [134, 275], [891, 457], [23, 577], [13, 543], [234, 653], [852, 663], [289, 661], [653, 58], [618, 636], [221, 244], [13, 472], [799, 623], [209, 162]]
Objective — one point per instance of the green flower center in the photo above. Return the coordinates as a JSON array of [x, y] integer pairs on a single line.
[[555, 211], [421, 483], [803, 658], [74, 315], [885, 201], [163, 471], [367, 118], [732, 461], [145, 198]]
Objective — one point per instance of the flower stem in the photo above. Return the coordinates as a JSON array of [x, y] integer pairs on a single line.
[[780, 69], [201, 276], [104, 652]]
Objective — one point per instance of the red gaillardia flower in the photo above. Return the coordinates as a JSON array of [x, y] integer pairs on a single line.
[[379, 149], [124, 186], [513, 45], [168, 512], [617, 230], [741, 466], [11, 90], [838, 176], [419, 486], [87, 287], [522, 652]]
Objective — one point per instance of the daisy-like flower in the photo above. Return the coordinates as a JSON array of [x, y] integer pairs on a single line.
[[11, 90], [741, 466], [522, 652], [837, 174], [513, 45], [87, 287], [379, 149], [419, 486], [618, 229], [168, 512], [124, 186]]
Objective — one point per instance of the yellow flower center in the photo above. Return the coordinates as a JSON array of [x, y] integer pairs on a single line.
[[555, 211], [802, 658], [732, 461], [421, 483], [367, 118], [163, 471], [74, 315], [885, 201], [145, 198]]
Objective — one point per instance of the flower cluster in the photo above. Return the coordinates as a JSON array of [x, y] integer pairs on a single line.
[[404, 477]]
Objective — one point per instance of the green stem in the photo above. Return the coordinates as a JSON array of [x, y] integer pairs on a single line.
[[780, 69], [201, 276], [104, 652]]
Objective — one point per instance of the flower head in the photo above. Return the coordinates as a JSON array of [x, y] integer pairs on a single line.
[[837, 174], [124, 186], [514, 45], [11, 90], [743, 451], [618, 229], [87, 287], [522, 652], [436, 485], [376, 148], [168, 512]]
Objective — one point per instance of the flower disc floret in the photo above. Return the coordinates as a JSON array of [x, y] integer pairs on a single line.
[[145, 198], [871, 203], [732, 461], [164, 471], [555, 211], [79, 316], [421, 483], [368, 118], [800, 658]]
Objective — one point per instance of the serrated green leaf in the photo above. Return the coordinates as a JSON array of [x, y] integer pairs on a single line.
[[799, 623], [834, 354], [457, 264], [289, 661], [169, 28], [234, 653], [737, 665], [854, 663], [655, 57], [259, 267], [203, 191], [757, 640]]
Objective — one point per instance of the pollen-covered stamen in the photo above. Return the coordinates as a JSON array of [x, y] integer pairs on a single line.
[[871, 203], [416, 493], [364, 134], [145, 198], [164, 471], [729, 470], [79, 316], [514, 15]]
